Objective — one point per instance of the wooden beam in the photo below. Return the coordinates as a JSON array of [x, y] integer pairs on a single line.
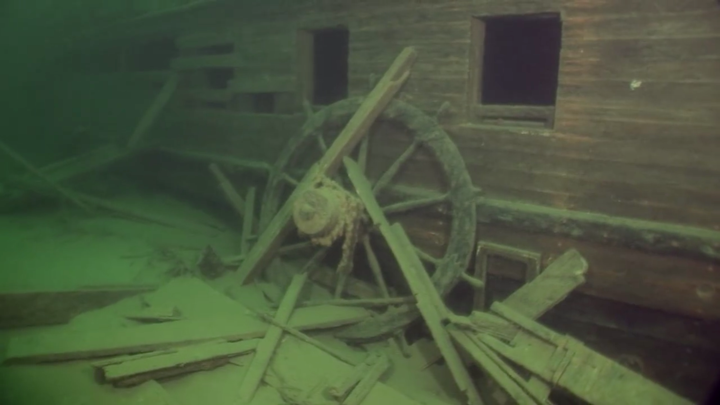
[[60, 190], [75, 345], [134, 370], [353, 132], [53, 307], [553, 284], [248, 222], [266, 348], [262, 84], [236, 201], [156, 108]]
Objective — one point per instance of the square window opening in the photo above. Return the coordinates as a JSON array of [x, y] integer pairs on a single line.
[[152, 55], [519, 59], [323, 57], [218, 78], [263, 103]]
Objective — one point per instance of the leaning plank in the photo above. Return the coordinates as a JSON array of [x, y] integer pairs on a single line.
[[54, 307], [429, 302], [357, 127], [495, 368], [430, 305], [228, 189], [134, 370], [151, 115], [62, 191], [552, 285], [72, 345], [266, 348]]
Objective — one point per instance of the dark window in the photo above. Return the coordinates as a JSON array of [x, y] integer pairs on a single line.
[[520, 58], [263, 103], [324, 59], [218, 78], [151, 55]]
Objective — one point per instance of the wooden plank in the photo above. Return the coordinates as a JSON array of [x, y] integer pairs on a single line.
[[649, 94], [676, 70], [156, 108], [262, 83], [495, 367], [267, 346], [368, 381], [50, 183], [203, 39], [72, 345], [679, 24], [207, 61], [134, 370], [340, 388], [553, 284], [369, 110], [248, 225], [299, 367], [338, 354], [40, 308], [431, 306], [236, 201], [567, 363]]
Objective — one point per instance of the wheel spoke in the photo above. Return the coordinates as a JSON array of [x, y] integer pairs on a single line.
[[363, 153], [390, 173], [296, 247], [289, 179], [426, 257], [375, 267], [312, 264], [321, 143], [415, 204]]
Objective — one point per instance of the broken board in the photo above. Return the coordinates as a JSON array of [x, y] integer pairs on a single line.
[[41, 308], [72, 345]]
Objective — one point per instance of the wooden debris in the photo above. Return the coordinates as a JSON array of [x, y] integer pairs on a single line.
[[552, 285], [565, 362], [74, 345], [42, 176], [342, 387], [230, 193], [505, 376], [133, 370], [210, 264], [362, 302], [368, 381], [300, 367], [41, 308], [354, 131], [266, 348], [151, 115], [248, 222], [155, 314], [305, 338]]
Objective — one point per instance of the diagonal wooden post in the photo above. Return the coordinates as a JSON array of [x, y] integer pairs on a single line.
[[369, 110]]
